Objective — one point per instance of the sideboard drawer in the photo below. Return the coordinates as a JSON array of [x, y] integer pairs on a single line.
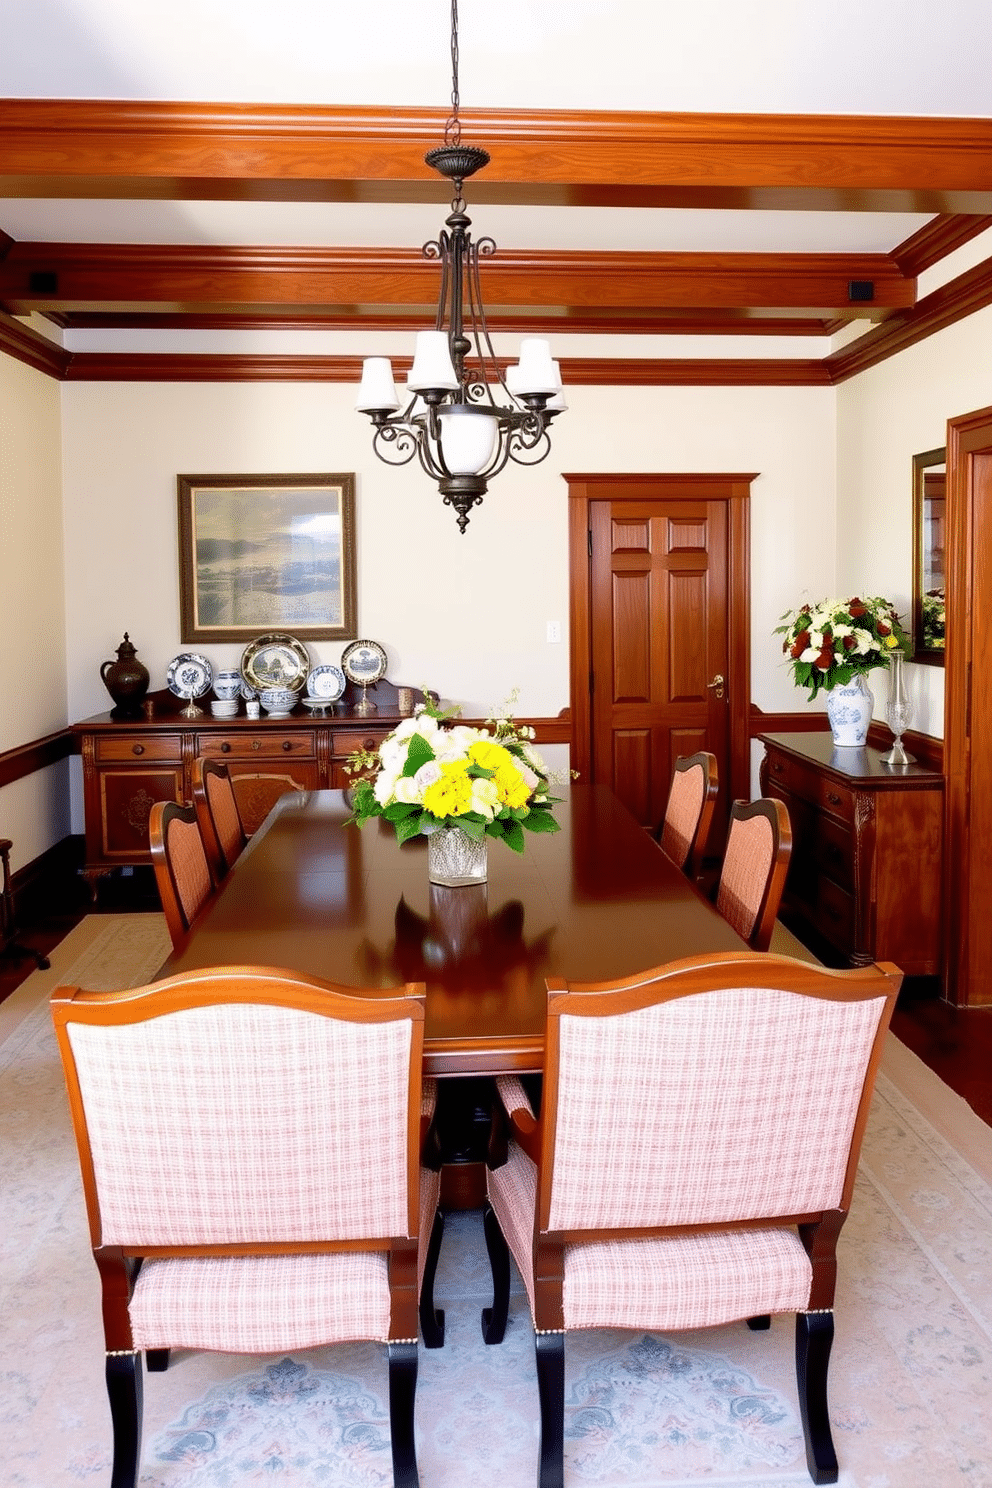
[[300, 744], [344, 744], [139, 748], [837, 799], [835, 913]]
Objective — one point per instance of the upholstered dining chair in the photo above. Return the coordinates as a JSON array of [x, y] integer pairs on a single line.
[[685, 827], [182, 870], [221, 828], [250, 1149], [755, 863], [693, 1163]]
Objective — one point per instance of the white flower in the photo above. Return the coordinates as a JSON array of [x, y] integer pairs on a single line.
[[534, 759], [810, 654], [392, 755], [408, 791], [385, 784], [454, 743], [485, 798], [428, 774], [864, 641], [840, 631]]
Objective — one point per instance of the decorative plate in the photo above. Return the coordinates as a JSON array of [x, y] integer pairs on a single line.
[[275, 660], [364, 662], [326, 683], [189, 675]]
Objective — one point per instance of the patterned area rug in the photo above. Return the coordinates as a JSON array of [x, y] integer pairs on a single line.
[[910, 1375]]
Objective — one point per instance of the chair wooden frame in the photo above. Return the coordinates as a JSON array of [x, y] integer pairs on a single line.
[[776, 812], [177, 918], [689, 857], [818, 1232], [205, 770], [119, 1264]]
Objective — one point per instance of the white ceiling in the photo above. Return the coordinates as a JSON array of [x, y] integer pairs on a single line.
[[878, 57], [732, 56]]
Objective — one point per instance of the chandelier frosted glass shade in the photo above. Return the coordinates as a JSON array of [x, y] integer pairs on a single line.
[[377, 390]]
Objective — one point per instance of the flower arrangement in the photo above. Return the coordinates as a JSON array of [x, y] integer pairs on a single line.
[[427, 775], [933, 620], [830, 642]]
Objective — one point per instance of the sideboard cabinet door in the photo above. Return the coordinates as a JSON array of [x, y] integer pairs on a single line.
[[864, 879]]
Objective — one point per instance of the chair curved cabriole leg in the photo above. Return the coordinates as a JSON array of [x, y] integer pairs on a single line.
[[814, 1336], [431, 1318], [402, 1394], [494, 1318], [124, 1388], [156, 1360], [550, 1351], [760, 1323]]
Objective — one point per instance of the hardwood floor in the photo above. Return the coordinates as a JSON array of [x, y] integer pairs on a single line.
[[956, 1043]]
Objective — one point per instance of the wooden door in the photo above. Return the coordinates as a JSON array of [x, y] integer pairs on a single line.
[[968, 710], [663, 670]]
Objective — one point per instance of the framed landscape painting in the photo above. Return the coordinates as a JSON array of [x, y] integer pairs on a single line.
[[264, 553]]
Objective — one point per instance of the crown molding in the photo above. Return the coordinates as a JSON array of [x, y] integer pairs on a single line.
[[952, 302], [28, 346]]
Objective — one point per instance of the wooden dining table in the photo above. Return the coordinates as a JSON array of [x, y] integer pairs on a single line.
[[315, 893]]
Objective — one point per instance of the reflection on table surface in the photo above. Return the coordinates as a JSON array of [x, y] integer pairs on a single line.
[[594, 901]]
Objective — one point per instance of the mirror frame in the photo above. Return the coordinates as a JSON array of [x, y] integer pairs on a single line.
[[927, 655]]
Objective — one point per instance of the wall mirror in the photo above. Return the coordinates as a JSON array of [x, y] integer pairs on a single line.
[[929, 529]]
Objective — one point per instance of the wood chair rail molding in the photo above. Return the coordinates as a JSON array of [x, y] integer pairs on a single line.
[[82, 147]]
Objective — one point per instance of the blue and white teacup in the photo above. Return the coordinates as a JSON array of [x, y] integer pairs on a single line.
[[227, 684]]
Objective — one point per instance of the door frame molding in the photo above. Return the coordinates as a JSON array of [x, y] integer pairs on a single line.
[[964, 441], [735, 491]]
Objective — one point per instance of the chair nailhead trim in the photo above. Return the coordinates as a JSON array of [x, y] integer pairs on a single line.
[[815, 1311], [548, 1332], [122, 1353], [401, 1340]]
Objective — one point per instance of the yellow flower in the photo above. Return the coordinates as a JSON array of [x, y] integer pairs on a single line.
[[489, 756], [892, 642], [513, 788], [452, 794]]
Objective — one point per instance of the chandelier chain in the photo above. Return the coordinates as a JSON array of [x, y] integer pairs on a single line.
[[453, 127]]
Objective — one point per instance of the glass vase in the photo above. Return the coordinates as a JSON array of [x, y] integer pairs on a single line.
[[897, 711], [454, 858]]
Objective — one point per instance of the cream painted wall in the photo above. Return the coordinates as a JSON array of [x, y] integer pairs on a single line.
[[884, 417], [468, 615], [33, 812]]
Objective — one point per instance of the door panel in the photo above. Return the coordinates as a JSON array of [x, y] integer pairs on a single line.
[[658, 622]]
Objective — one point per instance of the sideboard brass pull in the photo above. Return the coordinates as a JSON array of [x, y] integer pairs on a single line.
[[137, 748], [287, 744], [225, 748], [256, 744]]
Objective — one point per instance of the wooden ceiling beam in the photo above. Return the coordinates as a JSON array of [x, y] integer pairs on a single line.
[[83, 147], [88, 277]]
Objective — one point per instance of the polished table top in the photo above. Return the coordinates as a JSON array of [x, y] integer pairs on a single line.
[[596, 900]]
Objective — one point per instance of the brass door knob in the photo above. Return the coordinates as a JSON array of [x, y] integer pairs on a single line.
[[716, 686]]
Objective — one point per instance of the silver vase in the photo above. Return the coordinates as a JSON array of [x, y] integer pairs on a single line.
[[897, 711], [454, 858]]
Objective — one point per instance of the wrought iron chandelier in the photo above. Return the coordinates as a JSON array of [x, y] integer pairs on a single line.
[[453, 421]]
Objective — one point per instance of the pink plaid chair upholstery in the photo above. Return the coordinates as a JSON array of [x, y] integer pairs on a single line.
[[250, 1149], [693, 1163], [686, 824], [224, 836], [755, 863], [182, 871]]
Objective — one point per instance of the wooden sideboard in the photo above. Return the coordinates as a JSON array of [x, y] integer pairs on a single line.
[[865, 875], [128, 765]]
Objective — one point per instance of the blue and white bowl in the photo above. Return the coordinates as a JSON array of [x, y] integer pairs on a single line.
[[278, 702]]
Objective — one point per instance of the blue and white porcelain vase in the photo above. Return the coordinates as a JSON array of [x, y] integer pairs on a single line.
[[849, 709]]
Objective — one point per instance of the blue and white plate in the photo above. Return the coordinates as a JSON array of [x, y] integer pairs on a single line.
[[326, 683], [189, 675]]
